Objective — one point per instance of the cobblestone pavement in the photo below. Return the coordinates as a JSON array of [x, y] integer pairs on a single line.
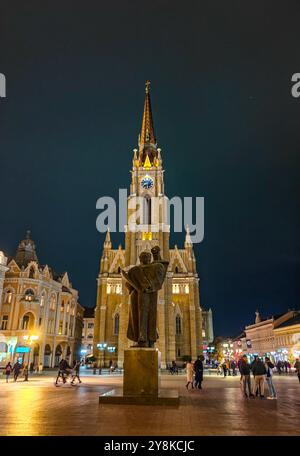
[[40, 408]]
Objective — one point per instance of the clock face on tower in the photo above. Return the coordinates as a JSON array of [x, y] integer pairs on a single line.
[[147, 182]]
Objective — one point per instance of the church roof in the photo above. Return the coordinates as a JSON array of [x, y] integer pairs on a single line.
[[26, 251]]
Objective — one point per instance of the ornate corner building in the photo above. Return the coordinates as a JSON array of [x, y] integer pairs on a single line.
[[40, 318], [180, 325]]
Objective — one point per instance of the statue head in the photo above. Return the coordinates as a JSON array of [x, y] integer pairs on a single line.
[[156, 252], [145, 257]]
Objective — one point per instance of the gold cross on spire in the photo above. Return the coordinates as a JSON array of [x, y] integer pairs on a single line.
[[147, 85]]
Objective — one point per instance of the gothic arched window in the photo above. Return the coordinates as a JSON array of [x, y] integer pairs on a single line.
[[178, 325], [116, 324]]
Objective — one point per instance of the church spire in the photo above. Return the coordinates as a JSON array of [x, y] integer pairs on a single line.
[[107, 242], [147, 135], [188, 241]]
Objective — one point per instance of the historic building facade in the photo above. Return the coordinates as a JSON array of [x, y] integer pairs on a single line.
[[179, 313], [40, 317], [277, 336], [88, 333]]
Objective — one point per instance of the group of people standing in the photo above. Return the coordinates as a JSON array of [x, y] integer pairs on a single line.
[[194, 373], [261, 370]]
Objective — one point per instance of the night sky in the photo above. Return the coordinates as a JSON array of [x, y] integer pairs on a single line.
[[224, 117]]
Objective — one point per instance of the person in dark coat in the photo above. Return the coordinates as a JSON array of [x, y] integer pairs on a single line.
[[245, 373], [259, 371], [16, 370], [198, 368], [62, 371]]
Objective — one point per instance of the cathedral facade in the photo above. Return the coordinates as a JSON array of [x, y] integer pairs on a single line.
[[180, 325]]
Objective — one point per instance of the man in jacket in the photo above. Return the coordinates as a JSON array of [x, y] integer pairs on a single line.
[[198, 368], [16, 370], [245, 373], [259, 372]]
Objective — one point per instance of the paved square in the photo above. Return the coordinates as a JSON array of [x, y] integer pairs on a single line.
[[40, 408]]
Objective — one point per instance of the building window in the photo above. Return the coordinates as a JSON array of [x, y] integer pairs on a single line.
[[176, 270], [116, 324], [60, 328], [178, 325], [8, 297], [118, 288], [42, 303], [26, 323], [29, 295], [40, 321], [4, 322], [187, 288], [108, 288], [66, 328], [175, 288], [53, 302], [90, 325], [203, 333], [62, 307], [178, 352]]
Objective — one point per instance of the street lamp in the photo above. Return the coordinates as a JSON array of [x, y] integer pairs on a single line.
[[30, 340], [102, 347]]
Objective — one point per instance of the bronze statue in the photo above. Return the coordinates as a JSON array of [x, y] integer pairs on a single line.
[[143, 283]]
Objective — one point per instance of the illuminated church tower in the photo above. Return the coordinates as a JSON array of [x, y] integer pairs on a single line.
[[180, 325]]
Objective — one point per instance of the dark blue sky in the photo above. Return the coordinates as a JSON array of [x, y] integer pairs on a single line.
[[224, 118]]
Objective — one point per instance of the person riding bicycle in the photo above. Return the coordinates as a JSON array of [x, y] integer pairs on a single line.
[[63, 371]]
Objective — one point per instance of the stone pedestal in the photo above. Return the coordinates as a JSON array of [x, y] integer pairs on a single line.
[[140, 372], [141, 381]]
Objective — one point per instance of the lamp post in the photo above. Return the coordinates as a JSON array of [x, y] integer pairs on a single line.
[[30, 340], [101, 347]]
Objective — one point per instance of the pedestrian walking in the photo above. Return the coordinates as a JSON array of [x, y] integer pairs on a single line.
[[25, 372], [269, 377], [16, 370], [198, 368], [189, 374], [297, 367], [8, 371], [76, 372], [245, 371], [62, 371], [259, 372]]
